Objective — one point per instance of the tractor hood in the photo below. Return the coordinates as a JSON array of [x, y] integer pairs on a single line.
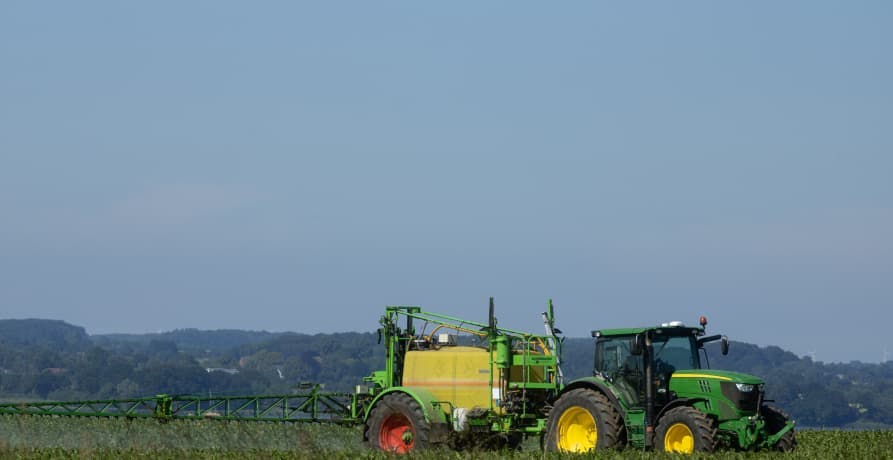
[[729, 395], [724, 376]]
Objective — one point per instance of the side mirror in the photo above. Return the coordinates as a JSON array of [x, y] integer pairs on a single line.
[[724, 345], [637, 344]]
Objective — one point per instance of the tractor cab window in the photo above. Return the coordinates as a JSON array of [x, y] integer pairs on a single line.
[[614, 360], [673, 353]]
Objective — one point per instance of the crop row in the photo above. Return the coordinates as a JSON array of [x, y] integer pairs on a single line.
[[66, 437]]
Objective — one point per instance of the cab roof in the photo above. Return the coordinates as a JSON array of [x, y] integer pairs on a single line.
[[661, 329]]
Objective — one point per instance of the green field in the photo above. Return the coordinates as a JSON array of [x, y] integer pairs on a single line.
[[66, 437]]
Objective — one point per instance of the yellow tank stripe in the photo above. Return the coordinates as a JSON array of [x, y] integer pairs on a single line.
[[700, 376], [434, 383]]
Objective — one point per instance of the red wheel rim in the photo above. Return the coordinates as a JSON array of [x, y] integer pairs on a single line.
[[396, 434]]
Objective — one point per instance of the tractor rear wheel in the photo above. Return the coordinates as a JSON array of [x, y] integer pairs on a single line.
[[776, 420], [685, 430], [583, 420], [396, 424]]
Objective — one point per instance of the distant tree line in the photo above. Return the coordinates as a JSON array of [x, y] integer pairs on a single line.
[[52, 360]]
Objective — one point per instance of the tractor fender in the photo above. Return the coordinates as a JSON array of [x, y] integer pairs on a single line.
[[676, 403], [596, 385], [433, 413]]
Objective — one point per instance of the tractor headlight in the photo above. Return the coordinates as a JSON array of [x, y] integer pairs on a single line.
[[744, 387]]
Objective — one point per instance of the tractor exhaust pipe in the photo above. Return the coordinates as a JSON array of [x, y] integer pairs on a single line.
[[649, 393], [492, 318], [552, 334]]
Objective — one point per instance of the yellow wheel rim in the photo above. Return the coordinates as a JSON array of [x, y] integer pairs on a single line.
[[576, 431], [679, 439]]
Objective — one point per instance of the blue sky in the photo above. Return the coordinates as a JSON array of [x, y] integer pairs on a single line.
[[296, 166]]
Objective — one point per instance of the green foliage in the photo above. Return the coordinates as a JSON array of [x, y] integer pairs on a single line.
[[42, 333], [62, 437], [339, 361], [192, 340]]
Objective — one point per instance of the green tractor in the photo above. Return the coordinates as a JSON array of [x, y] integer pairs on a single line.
[[649, 389]]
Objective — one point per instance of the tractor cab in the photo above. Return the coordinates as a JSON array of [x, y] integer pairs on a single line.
[[633, 356], [620, 357]]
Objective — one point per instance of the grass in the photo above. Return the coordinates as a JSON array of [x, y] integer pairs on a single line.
[[26, 437]]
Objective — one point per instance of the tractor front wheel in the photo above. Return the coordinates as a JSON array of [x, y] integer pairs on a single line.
[[776, 420], [685, 430], [583, 420], [396, 424]]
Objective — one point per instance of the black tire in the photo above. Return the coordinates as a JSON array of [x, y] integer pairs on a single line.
[[513, 441], [685, 429], [572, 419], [776, 419], [484, 441], [787, 442], [396, 424]]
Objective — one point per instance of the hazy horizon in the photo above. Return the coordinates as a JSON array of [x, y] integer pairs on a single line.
[[372, 331]]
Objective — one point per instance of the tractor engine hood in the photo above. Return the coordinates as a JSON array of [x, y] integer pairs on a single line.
[[723, 376], [733, 394]]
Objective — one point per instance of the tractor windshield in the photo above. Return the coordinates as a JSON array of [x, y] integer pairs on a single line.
[[673, 353]]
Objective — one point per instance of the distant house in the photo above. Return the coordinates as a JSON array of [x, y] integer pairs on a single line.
[[225, 370]]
